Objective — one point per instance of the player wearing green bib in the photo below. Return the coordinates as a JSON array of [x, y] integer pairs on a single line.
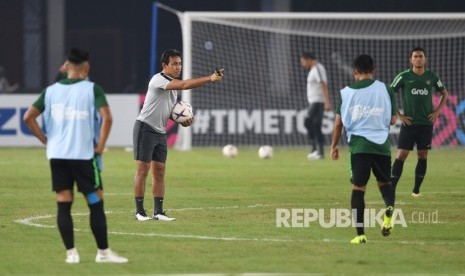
[[416, 86], [74, 138], [366, 109]]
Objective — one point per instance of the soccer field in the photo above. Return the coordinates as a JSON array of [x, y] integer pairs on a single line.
[[226, 217]]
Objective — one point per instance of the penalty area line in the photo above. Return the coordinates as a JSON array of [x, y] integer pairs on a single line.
[[30, 222], [34, 222], [198, 237]]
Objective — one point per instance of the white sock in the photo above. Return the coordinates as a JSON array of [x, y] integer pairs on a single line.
[[104, 251], [72, 250]]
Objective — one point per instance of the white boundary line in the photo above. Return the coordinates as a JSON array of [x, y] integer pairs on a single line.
[[427, 194], [199, 237], [239, 274], [32, 221]]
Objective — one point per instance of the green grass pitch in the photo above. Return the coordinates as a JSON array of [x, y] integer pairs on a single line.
[[226, 217]]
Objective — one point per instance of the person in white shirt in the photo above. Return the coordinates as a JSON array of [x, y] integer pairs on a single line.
[[318, 99]]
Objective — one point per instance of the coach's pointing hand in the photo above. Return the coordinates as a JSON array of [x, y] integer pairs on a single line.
[[217, 76]]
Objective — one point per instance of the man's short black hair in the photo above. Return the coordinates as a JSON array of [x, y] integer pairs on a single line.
[[78, 56], [165, 57], [308, 55], [417, 49], [364, 64]]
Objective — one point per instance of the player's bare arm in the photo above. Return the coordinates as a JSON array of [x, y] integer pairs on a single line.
[[107, 121], [324, 88], [433, 116], [176, 84], [30, 118], [336, 136]]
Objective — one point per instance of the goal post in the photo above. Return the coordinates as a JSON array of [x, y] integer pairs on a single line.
[[262, 99], [184, 140]]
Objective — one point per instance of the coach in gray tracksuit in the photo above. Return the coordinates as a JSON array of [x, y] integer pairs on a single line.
[[149, 138]]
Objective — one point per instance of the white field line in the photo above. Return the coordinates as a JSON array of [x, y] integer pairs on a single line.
[[401, 242], [51, 194], [436, 192], [241, 274], [426, 194], [32, 221], [230, 207], [198, 237], [416, 201]]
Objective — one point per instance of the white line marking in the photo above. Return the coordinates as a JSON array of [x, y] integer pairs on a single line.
[[32, 221], [230, 207], [204, 208], [426, 194], [401, 242], [53, 195], [198, 237], [416, 201], [29, 221], [433, 192], [240, 274]]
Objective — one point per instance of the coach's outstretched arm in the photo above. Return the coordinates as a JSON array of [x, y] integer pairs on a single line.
[[193, 83], [30, 118]]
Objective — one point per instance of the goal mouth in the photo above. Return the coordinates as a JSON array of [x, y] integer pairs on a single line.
[[388, 26], [262, 98]]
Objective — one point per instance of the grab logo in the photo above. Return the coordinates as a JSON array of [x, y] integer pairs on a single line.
[[420, 91], [60, 113]]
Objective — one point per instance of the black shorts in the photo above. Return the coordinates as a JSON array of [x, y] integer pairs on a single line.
[[84, 172], [421, 135], [361, 165], [149, 145]]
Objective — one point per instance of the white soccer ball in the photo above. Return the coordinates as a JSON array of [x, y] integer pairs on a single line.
[[181, 112], [265, 152], [230, 151]]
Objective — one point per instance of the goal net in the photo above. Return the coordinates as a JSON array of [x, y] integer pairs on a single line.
[[262, 99]]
